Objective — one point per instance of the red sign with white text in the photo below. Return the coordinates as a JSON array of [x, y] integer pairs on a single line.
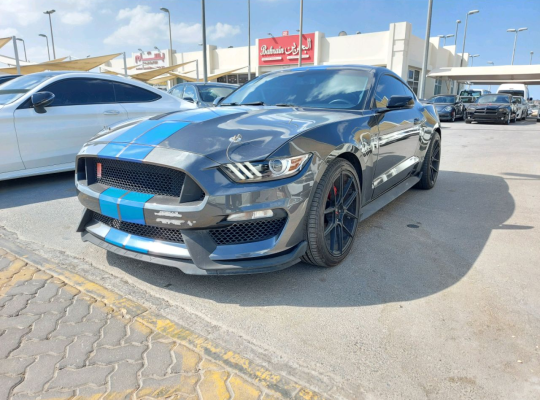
[[285, 50]]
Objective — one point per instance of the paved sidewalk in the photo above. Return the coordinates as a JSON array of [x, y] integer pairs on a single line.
[[62, 337]]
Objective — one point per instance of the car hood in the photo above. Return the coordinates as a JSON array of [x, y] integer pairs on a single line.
[[490, 106], [208, 131]]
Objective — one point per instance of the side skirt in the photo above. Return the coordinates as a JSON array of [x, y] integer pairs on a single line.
[[389, 196]]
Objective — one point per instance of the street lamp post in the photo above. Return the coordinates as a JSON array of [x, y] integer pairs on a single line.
[[169, 83], [249, 40], [52, 36], [516, 31], [530, 61], [455, 37], [205, 73], [155, 47], [445, 37], [426, 52], [472, 56], [24, 47], [300, 33], [490, 63], [465, 34], [47, 39]]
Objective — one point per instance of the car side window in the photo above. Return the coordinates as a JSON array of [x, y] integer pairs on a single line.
[[190, 92], [126, 93], [81, 91], [387, 87]]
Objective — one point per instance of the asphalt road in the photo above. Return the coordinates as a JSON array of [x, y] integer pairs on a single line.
[[439, 299]]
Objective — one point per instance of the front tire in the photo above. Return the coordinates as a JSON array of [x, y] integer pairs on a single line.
[[431, 164], [333, 216]]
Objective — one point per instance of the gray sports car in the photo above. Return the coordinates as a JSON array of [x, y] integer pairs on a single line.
[[282, 170]]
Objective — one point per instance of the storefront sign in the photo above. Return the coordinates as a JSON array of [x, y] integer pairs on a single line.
[[150, 60], [286, 50]]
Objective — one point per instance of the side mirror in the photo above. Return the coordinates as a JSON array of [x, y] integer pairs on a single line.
[[190, 99], [217, 100], [530, 99], [399, 102], [40, 100]]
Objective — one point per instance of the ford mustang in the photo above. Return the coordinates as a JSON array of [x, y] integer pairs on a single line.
[[282, 170]]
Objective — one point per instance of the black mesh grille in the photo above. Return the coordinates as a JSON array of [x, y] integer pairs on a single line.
[[147, 231], [142, 178], [247, 232]]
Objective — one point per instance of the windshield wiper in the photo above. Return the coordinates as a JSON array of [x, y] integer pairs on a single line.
[[285, 105], [229, 104], [255, 103]]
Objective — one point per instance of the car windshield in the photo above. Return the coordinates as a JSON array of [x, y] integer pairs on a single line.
[[14, 89], [493, 98], [442, 100], [211, 92], [469, 99], [320, 88], [473, 93]]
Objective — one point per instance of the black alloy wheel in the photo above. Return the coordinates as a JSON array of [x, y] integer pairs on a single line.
[[431, 164], [334, 215]]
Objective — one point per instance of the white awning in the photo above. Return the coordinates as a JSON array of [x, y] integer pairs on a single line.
[[491, 75]]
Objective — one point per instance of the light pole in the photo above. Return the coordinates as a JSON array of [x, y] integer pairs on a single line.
[[445, 37], [155, 47], [24, 47], [426, 52], [47, 39], [493, 64], [530, 61], [205, 73], [249, 40], [472, 58], [455, 37], [300, 33], [516, 31], [52, 36], [465, 34], [169, 83]]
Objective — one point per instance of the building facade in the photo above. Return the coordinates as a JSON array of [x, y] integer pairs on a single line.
[[396, 49]]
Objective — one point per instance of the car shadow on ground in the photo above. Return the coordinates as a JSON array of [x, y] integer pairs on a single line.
[[421, 244], [36, 189]]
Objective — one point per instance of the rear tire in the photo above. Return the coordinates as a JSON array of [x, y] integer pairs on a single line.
[[431, 164], [333, 215], [468, 121]]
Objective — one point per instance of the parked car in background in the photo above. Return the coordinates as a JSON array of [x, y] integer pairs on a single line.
[[522, 109], [7, 78], [202, 94], [515, 89], [46, 117], [471, 95], [449, 106], [283, 170], [492, 108]]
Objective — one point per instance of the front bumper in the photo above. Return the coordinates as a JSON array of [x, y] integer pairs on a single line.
[[198, 250], [487, 117]]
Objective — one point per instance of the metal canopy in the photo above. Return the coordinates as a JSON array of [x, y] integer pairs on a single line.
[[491, 75], [4, 41]]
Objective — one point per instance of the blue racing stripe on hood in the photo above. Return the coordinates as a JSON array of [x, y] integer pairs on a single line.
[[159, 133], [135, 153], [134, 132]]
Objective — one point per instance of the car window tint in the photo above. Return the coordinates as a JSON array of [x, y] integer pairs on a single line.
[[210, 93], [190, 92], [387, 87], [126, 93], [80, 91]]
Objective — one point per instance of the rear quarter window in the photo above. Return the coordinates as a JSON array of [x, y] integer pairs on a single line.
[[126, 93]]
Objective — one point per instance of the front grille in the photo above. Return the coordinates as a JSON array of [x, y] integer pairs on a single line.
[[249, 231], [137, 177], [147, 231]]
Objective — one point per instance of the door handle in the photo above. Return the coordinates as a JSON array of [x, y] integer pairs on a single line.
[[111, 112]]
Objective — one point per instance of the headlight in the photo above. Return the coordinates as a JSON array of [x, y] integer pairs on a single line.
[[276, 168], [447, 108], [502, 110], [471, 108]]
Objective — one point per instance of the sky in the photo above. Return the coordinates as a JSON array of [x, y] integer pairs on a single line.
[[98, 27]]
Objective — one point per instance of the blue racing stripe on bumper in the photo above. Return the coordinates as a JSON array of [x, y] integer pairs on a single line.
[[132, 207], [108, 202], [139, 244], [116, 237], [160, 133], [111, 150]]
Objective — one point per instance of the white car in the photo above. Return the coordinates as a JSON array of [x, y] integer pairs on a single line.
[[46, 117]]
